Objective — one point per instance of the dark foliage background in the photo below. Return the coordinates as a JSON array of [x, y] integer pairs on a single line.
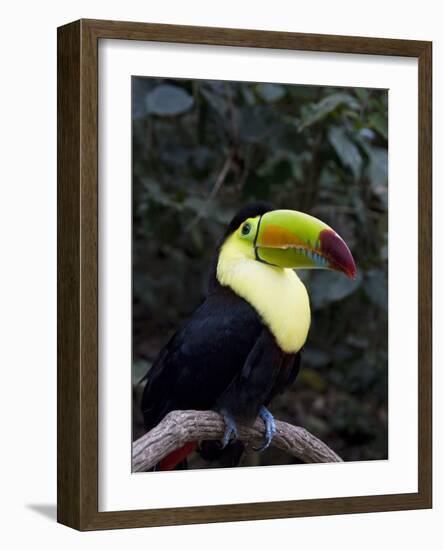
[[201, 150]]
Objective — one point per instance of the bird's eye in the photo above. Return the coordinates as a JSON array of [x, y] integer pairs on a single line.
[[246, 229]]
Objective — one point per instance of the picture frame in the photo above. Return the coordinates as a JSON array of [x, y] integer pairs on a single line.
[[78, 280]]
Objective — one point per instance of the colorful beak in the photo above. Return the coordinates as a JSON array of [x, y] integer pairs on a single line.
[[291, 239]]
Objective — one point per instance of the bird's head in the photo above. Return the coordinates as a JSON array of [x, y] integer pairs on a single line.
[[288, 239]]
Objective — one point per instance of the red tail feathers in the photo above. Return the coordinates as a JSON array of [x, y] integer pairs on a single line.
[[172, 459]]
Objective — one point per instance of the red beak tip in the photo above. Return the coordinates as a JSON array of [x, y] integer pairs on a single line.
[[338, 252], [351, 270]]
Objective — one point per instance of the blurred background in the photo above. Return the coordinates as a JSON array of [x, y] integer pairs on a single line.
[[201, 150]]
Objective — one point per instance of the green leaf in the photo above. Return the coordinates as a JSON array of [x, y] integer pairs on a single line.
[[215, 97], [139, 369], [376, 288], [270, 92], [256, 187], [280, 166], [167, 100], [247, 94], [362, 94], [378, 165], [346, 150], [378, 173], [256, 123], [379, 123], [324, 107], [331, 286], [316, 358], [313, 379]]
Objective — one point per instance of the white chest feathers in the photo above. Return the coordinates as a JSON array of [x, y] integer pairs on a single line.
[[278, 295]]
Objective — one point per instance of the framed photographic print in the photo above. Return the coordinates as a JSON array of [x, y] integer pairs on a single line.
[[244, 274]]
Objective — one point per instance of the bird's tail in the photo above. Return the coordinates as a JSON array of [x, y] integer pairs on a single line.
[[177, 459], [211, 451]]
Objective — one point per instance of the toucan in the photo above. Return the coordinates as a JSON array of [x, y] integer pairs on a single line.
[[242, 346]]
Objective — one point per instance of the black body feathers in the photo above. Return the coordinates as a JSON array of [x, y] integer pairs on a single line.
[[222, 358]]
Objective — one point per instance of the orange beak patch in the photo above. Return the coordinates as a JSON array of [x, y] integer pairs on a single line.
[[275, 236]]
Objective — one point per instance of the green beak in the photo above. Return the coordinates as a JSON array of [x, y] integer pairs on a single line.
[[291, 239]]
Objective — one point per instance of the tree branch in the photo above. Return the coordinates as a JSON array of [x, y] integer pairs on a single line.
[[180, 427]]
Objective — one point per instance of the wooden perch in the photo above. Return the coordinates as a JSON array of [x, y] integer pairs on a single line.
[[180, 427]]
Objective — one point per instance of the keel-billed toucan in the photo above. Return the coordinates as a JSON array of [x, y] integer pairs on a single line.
[[241, 346]]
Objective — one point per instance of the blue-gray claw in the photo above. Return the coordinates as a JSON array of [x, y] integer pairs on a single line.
[[230, 429], [269, 423]]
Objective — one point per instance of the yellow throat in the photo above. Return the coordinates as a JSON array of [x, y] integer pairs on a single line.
[[277, 294]]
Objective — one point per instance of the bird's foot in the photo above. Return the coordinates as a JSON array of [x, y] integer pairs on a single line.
[[230, 429], [269, 423]]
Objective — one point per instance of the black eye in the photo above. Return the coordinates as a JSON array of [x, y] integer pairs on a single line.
[[246, 229]]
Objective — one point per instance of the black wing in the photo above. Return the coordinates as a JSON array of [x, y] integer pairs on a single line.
[[266, 372], [202, 358]]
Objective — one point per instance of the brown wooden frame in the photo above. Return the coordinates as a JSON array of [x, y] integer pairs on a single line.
[[77, 273]]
